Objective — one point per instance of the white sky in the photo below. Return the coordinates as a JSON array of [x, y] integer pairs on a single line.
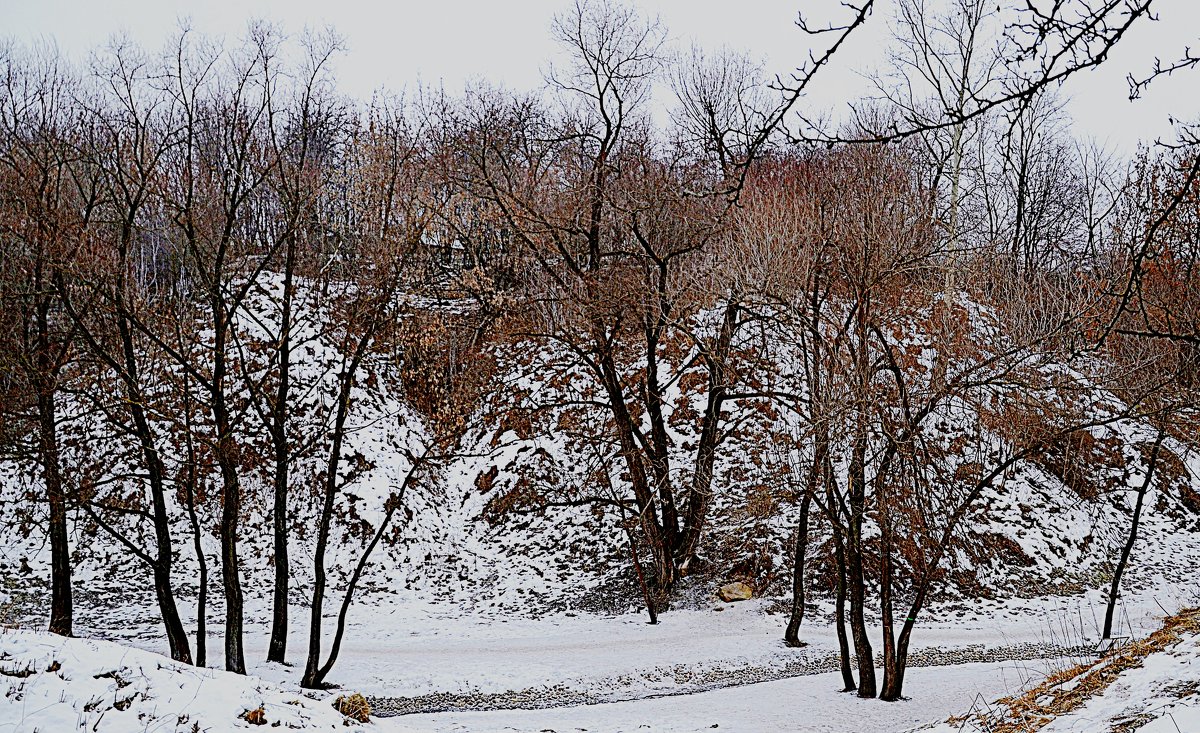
[[397, 44]]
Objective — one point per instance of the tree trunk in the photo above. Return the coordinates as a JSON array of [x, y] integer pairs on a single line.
[[176, 637], [394, 502], [1114, 589], [131, 375], [227, 455], [660, 461], [792, 634], [314, 675], [202, 591], [893, 680], [277, 648], [235, 659], [854, 569], [61, 607], [194, 520], [848, 683], [890, 667], [700, 495], [664, 556]]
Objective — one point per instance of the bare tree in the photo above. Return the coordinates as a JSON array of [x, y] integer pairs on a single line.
[[42, 214]]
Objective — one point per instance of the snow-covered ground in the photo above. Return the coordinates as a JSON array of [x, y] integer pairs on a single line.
[[696, 669], [810, 704], [55, 684]]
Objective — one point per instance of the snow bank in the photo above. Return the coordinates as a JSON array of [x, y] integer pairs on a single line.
[[53, 685]]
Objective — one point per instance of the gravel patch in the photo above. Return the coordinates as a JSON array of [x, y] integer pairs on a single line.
[[687, 681]]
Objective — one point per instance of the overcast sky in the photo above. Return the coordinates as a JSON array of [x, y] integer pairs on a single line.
[[403, 42]]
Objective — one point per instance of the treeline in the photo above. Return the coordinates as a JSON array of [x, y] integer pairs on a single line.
[[944, 287]]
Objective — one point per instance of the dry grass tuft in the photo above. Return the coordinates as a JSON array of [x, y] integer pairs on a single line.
[[354, 707]]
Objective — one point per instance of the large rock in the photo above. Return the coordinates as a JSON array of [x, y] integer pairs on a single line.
[[737, 591]]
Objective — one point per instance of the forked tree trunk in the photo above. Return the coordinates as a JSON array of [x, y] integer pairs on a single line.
[[665, 571], [314, 672], [700, 495], [893, 679]]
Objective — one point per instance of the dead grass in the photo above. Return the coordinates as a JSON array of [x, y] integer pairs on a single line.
[[1068, 689]]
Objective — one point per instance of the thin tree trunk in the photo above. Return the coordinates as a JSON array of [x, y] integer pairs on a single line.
[[792, 634], [647, 596], [1114, 589], [890, 668], [194, 520], [848, 683], [277, 648], [854, 569], [313, 675], [318, 679], [176, 636]]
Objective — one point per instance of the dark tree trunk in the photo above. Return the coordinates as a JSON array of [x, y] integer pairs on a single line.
[[659, 445], [231, 492], [235, 658], [61, 607], [893, 679], [628, 526], [664, 557], [318, 678], [792, 634], [176, 637], [1127, 549], [848, 683], [202, 562], [854, 568], [277, 649], [314, 673], [891, 668], [189, 488], [700, 496]]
